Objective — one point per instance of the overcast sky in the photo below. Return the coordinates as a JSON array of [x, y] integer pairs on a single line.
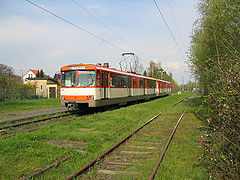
[[33, 39]]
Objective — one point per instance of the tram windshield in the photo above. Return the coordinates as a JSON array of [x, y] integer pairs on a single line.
[[85, 78], [68, 78]]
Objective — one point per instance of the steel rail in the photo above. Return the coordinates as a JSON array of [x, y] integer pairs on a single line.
[[31, 117], [35, 121], [87, 166], [90, 164], [151, 177]]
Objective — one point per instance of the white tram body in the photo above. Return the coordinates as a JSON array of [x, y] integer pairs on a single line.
[[84, 85]]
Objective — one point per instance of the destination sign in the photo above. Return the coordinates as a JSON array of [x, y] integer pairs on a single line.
[[76, 67]]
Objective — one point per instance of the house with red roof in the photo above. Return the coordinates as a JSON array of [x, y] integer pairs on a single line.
[[30, 74], [45, 87]]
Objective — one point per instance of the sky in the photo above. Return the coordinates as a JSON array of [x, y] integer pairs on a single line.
[[31, 38]]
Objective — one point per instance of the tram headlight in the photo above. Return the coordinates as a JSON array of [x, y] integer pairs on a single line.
[[89, 97], [62, 97]]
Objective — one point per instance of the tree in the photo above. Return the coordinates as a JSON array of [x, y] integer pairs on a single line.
[[145, 73], [41, 74], [155, 70], [214, 58], [11, 86], [6, 70], [37, 75]]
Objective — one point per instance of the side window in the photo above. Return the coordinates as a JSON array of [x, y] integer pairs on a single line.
[[150, 84], [141, 83], [124, 81], [102, 85], [98, 78], [113, 80], [119, 80], [134, 82], [129, 81]]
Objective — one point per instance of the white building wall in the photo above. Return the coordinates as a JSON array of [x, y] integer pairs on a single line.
[[29, 74]]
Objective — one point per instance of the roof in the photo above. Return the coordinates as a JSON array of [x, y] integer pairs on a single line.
[[89, 66], [34, 71], [49, 80]]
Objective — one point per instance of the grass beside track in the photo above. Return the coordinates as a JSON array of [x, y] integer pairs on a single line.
[[8, 105], [183, 156], [27, 152]]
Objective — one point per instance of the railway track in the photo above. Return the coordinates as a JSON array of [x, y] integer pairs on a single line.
[[30, 124], [35, 122], [29, 114], [130, 155]]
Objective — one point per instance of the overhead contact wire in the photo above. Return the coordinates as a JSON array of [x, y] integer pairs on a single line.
[[78, 27], [105, 26], [160, 12], [175, 22]]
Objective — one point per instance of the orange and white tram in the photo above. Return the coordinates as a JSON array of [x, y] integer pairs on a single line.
[[84, 85]]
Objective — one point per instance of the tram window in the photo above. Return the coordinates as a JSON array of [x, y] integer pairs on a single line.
[[162, 86], [150, 83], [141, 83], [119, 80], [124, 81], [85, 78], [134, 82], [68, 78], [98, 78], [103, 85], [129, 81], [113, 80]]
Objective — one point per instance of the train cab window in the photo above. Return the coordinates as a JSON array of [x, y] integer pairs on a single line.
[[124, 81], [134, 82], [68, 78], [85, 78], [119, 80], [141, 83], [113, 80], [98, 78]]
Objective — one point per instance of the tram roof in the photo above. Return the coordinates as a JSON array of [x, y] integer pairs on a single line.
[[91, 66]]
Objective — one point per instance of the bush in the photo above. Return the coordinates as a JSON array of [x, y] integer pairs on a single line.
[[11, 88], [215, 60]]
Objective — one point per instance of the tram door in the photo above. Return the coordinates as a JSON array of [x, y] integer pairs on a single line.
[[157, 88], [105, 84], [144, 86], [130, 89]]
